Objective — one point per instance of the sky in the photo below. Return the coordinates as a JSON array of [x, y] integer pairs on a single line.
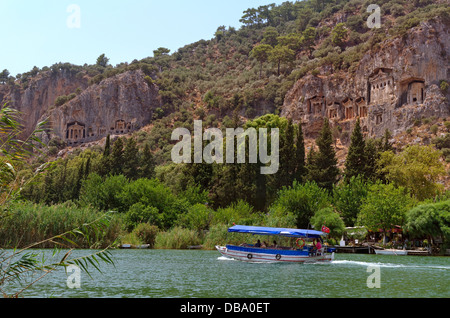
[[44, 32]]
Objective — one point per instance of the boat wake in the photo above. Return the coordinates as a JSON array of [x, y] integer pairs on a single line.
[[388, 265], [224, 258]]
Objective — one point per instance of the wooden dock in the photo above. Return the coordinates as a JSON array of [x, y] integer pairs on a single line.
[[418, 253], [354, 249]]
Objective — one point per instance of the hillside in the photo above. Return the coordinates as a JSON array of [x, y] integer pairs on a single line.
[[315, 60], [212, 79]]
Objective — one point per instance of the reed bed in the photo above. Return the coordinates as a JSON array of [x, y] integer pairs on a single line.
[[177, 238], [28, 223]]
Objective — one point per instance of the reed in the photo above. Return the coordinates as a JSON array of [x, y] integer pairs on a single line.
[[27, 223], [177, 238]]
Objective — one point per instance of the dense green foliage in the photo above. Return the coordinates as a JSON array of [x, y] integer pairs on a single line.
[[430, 220]]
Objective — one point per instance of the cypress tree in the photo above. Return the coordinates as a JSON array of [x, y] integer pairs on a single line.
[[245, 182], [387, 146], [355, 163], [322, 165], [300, 169], [147, 163], [117, 158], [286, 172], [372, 154], [78, 181], [131, 159], [87, 169], [105, 166], [107, 150]]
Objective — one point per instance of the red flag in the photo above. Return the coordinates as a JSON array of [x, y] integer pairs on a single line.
[[325, 229]]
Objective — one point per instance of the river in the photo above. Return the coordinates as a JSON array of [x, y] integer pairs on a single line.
[[206, 274]]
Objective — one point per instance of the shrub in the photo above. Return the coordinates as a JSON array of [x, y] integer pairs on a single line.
[[146, 233], [197, 218], [240, 212], [347, 198], [442, 142], [61, 100], [138, 214], [434, 129], [444, 86]]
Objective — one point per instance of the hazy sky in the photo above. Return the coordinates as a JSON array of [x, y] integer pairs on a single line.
[[43, 32]]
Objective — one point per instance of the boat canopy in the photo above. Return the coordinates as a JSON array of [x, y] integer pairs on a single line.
[[256, 230]]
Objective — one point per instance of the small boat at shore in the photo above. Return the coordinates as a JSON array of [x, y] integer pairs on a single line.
[[391, 252], [301, 253]]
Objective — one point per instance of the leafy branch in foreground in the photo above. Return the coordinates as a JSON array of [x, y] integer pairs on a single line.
[[18, 264], [14, 153]]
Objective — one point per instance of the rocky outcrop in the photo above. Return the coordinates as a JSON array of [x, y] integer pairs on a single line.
[[38, 95], [393, 86], [117, 105]]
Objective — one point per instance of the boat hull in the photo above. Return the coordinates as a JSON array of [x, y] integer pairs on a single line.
[[392, 252], [259, 255]]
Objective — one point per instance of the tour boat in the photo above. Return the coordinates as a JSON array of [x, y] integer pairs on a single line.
[[301, 253]]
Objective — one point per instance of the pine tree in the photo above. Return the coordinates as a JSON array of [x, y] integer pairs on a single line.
[[356, 159], [322, 165]]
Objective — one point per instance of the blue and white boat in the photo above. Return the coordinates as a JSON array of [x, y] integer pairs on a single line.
[[300, 253]]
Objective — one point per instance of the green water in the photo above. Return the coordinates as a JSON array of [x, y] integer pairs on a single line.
[[205, 274]]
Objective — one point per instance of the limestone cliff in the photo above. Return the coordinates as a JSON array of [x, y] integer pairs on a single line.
[[117, 105], [38, 95], [393, 86]]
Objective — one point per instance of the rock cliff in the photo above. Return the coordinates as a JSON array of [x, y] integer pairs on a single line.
[[394, 85], [117, 105]]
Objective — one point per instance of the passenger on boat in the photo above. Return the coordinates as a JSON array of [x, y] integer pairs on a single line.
[[314, 248], [275, 245], [258, 244], [319, 245], [265, 244]]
